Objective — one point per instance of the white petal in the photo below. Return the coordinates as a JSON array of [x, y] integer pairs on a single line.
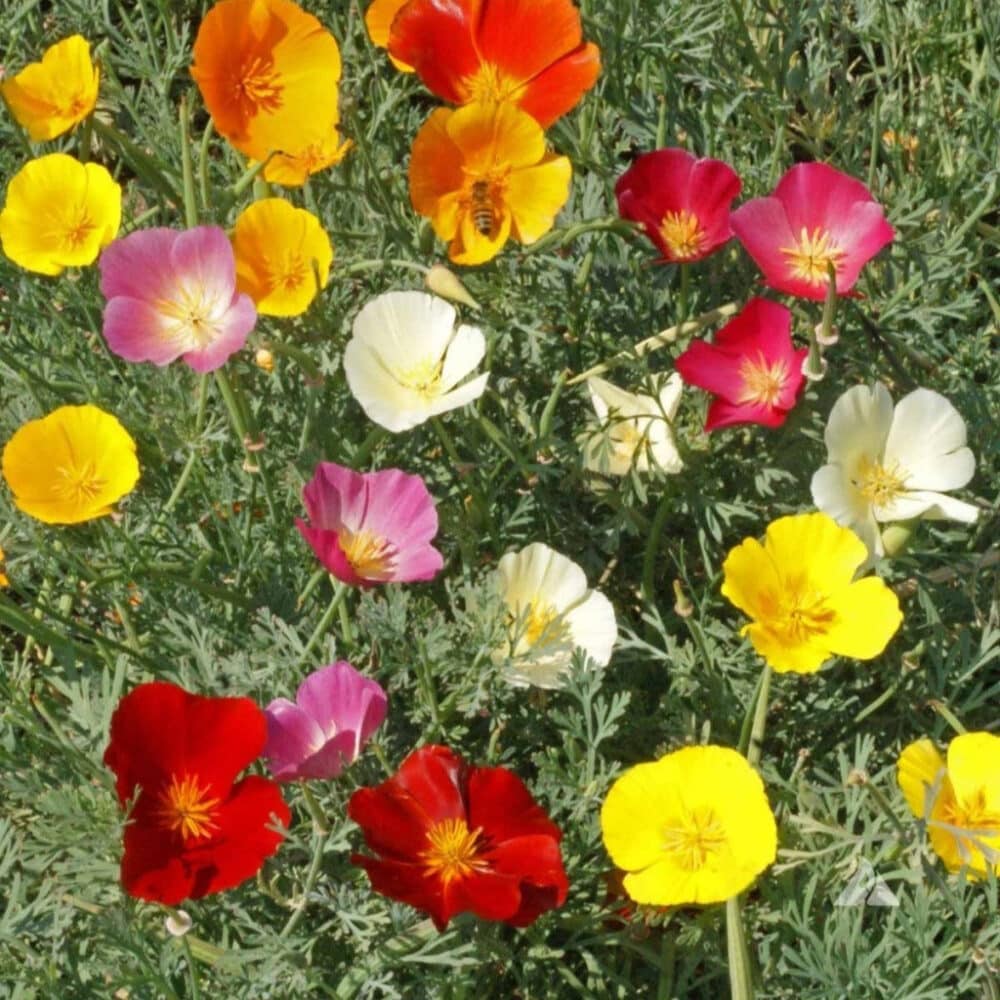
[[924, 503], [542, 671], [670, 395], [593, 628], [384, 400], [464, 353], [460, 396], [538, 572], [927, 442], [835, 494], [405, 327], [858, 425]]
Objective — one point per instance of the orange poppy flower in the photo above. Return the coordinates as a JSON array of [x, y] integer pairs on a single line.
[[268, 73], [481, 174], [378, 20], [531, 54]]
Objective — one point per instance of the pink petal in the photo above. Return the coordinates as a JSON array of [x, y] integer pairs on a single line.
[[330, 760], [816, 195], [203, 259], [135, 331], [711, 368], [326, 545], [659, 180], [138, 265], [861, 233], [713, 187], [340, 699], [292, 736], [761, 326], [235, 327], [724, 414], [336, 497], [423, 563], [762, 226], [400, 508]]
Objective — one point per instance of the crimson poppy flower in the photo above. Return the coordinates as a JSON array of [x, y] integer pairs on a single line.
[[191, 830], [752, 367], [451, 838], [816, 217], [681, 201], [494, 51]]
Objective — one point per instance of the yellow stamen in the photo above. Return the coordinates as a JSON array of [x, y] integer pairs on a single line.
[[187, 809], [423, 378], [878, 484], [763, 382], [78, 232], [804, 614], [697, 835], [811, 257], [370, 556], [682, 233], [452, 850], [972, 823], [257, 88], [78, 484], [488, 85], [543, 623]]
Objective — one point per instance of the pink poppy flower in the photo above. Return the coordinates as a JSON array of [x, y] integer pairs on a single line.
[[752, 367], [681, 201], [334, 714], [817, 216], [173, 295], [371, 527]]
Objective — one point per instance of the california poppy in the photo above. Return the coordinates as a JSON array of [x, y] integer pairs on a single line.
[[752, 367], [192, 829], [481, 175], [453, 838], [491, 51]]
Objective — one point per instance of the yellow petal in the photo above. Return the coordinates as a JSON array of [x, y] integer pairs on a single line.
[[920, 772], [378, 21], [815, 545], [974, 769], [867, 616], [436, 174], [750, 579], [535, 195], [490, 135], [472, 247]]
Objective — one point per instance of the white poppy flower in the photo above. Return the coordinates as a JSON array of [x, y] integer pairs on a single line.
[[405, 360], [635, 430], [891, 464], [552, 614]]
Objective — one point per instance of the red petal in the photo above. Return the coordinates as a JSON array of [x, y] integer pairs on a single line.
[[159, 730], [724, 414], [435, 776], [558, 88], [407, 884], [524, 37], [486, 894], [501, 805], [711, 368], [435, 38], [158, 866]]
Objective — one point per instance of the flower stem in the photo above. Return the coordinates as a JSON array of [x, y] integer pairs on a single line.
[[756, 744], [195, 993], [319, 842], [339, 593], [737, 953], [199, 424], [187, 171], [653, 548], [320, 825]]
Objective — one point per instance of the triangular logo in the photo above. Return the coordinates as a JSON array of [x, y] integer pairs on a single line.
[[866, 888]]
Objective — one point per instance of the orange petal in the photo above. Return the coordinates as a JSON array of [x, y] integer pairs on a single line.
[[559, 88], [523, 37], [435, 168]]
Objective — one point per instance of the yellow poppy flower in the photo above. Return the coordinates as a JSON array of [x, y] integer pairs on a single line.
[[281, 252], [693, 827], [293, 171], [50, 97], [4, 581], [268, 73], [481, 174], [71, 465], [800, 591], [959, 799], [378, 20], [59, 213]]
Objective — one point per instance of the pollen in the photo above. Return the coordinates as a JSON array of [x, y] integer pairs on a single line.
[[682, 233], [694, 837], [256, 88], [811, 257], [879, 484], [187, 808], [370, 556], [763, 381], [79, 484], [489, 85], [452, 850], [78, 232], [424, 378]]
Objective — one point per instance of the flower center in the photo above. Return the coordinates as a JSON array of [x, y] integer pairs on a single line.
[[452, 850], [488, 85], [79, 484], [77, 232], [697, 835], [682, 233], [812, 256], [763, 382], [878, 484], [626, 438], [424, 378], [805, 615], [370, 556], [186, 808], [290, 273], [257, 87], [973, 824], [543, 623]]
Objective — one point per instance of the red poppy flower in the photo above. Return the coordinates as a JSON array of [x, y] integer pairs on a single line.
[[752, 367], [681, 201], [191, 831], [529, 52], [453, 838], [816, 217]]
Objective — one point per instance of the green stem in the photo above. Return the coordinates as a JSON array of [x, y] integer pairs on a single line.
[[241, 421], [740, 980], [320, 825], [756, 744], [653, 548], [142, 163], [340, 590], [319, 842], [195, 993], [187, 171], [199, 424], [683, 292], [206, 138]]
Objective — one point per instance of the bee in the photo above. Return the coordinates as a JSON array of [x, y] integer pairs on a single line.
[[482, 210]]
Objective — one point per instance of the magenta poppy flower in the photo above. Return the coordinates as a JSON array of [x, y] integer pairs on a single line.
[[334, 714], [371, 527], [173, 295], [752, 367], [817, 216], [681, 201]]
